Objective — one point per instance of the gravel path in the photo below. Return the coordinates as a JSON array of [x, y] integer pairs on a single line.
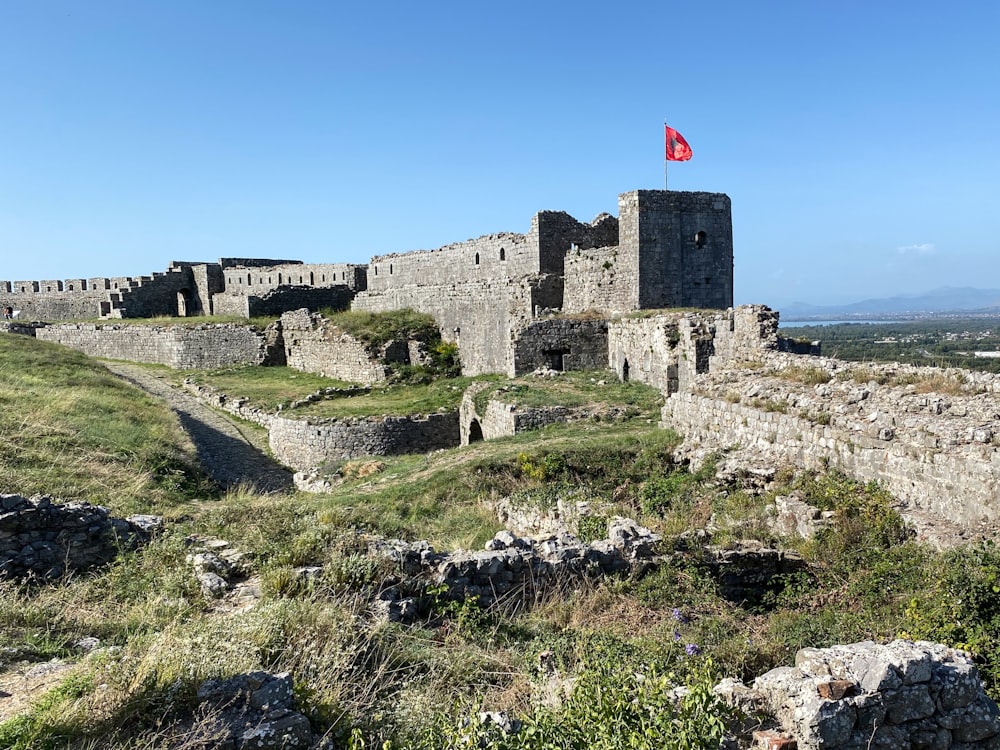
[[229, 455]]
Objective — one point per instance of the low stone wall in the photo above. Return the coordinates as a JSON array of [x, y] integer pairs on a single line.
[[237, 406], [203, 346], [881, 697], [41, 539], [23, 329], [516, 565], [501, 419], [935, 451], [305, 444]]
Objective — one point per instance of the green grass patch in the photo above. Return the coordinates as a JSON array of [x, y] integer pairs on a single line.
[[379, 328], [573, 389], [265, 387], [69, 428]]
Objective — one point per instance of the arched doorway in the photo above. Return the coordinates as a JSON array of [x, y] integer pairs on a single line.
[[625, 369], [185, 304], [475, 431]]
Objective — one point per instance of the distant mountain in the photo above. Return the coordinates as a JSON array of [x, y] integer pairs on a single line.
[[942, 300]]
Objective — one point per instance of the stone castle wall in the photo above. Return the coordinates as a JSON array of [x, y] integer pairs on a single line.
[[668, 350], [936, 451], [199, 347], [480, 316], [560, 344], [243, 278], [277, 301], [313, 345], [305, 444]]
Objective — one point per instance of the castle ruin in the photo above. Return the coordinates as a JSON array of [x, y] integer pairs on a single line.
[[495, 295]]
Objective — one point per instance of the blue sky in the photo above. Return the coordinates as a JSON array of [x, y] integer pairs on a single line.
[[859, 141]]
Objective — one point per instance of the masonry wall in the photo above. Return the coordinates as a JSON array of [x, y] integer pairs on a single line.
[[203, 346], [313, 345], [934, 452], [506, 255], [682, 245], [154, 295], [59, 306], [480, 316], [600, 279], [501, 419], [306, 444], [242, 278], [561, 344], [670, 349]]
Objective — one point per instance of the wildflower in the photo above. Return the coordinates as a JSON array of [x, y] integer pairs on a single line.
[[679, 616], [677, 635], [692, 649]]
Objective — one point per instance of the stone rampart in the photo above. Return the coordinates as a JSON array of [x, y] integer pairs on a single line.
[[305, 444], [198, 347], [930, 436], [868, 696], [39, 538], [261, 277]]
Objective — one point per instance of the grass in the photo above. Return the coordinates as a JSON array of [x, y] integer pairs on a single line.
[[70, 428], [573, 389], [377, 329], [804, 375], [397, 686], [265, 387]]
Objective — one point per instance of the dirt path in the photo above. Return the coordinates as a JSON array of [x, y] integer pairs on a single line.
[[229, 455]]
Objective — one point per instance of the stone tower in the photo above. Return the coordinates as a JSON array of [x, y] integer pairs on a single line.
[[679, 245]]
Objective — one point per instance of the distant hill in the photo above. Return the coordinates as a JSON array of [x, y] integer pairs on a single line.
[[940, 300]]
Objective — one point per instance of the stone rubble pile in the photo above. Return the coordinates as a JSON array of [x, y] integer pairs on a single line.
[[513, 564], [254, 712], [868, 696], [45, 540]]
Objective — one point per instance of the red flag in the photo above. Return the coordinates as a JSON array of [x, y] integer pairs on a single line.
[[677, 148]]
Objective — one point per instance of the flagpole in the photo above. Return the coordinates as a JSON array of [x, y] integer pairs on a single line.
[[665, 162]]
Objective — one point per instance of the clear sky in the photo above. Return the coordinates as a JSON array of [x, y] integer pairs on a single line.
[[859, 141]]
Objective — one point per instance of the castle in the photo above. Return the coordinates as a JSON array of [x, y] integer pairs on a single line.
[[495, 295]]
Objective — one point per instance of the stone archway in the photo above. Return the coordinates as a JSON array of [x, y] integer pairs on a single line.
[[625, 371], [475, 431]]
